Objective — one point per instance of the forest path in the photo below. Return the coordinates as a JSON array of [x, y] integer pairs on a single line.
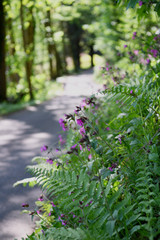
[[21, 136]]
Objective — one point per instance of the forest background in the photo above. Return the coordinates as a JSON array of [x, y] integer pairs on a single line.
[[41, 40]]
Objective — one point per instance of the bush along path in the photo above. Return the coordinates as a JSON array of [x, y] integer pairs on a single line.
[[104, 184], [22, 134]]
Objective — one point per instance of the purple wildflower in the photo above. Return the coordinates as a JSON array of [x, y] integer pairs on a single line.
[[25, 205], [49, 214], [63, 123], [131, 91], [148, 61], [80, 122], [110, 169], [140, 3], [61, 140], [136, 52], [53, 205], [120, 140], [125, 46], [74, 146], [44, 148], [107, 128], [57, 149], [64, 223], [82, 131], [74, 216], [49, 160], [41, 198], [107, 68], [90, 156], [154, 52], [80, 147]]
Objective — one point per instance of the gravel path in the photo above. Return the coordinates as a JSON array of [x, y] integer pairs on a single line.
[[21, 136]]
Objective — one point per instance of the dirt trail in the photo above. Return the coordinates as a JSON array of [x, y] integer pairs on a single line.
[[21, 136]]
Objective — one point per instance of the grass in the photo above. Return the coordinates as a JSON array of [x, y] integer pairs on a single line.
[[51, 89]]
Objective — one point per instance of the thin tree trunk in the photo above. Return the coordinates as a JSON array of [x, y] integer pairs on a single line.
[[52, 50], [28, 44], [74, 35], [3, 84], [91, 53], [14, 76]]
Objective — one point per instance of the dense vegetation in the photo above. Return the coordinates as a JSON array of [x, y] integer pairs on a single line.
[[103, 180]]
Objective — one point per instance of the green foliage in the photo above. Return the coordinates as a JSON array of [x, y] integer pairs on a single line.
[[114, 193]]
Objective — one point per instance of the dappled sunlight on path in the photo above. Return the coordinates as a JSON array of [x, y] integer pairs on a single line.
[[21, 136]]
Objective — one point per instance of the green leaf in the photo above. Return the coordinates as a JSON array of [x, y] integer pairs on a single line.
[[110, 227]]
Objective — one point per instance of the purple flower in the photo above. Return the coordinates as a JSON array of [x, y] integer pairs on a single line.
[[107, 68], [80, 147], [125, 46], [134, 34], [80, 122], [25, 205], [107, 128], [136, 52], [140, 3], [41, 198], [64, 223], [44, 148], [62, 141], [53, 205], [74, 216], [57, 149], [120, 140], [63, 123], [131, 91], [82, 131], [114, 165], [110, 169], [43, 232], [49, 214], [74, 146], [90, 156], [49, 160], [148, 61], [154, 52]]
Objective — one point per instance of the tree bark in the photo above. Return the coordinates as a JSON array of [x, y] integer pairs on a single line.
[[3, 84], [74, 35], [28, 44], [55, 67], [91, 53]]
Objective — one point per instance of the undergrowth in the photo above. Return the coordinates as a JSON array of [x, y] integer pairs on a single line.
[[105, 184]]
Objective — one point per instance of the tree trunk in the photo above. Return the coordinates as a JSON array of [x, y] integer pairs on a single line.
[[3, 84], [55, 67], [13, 76], [28, 43], [74, 35], [91, 53]]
